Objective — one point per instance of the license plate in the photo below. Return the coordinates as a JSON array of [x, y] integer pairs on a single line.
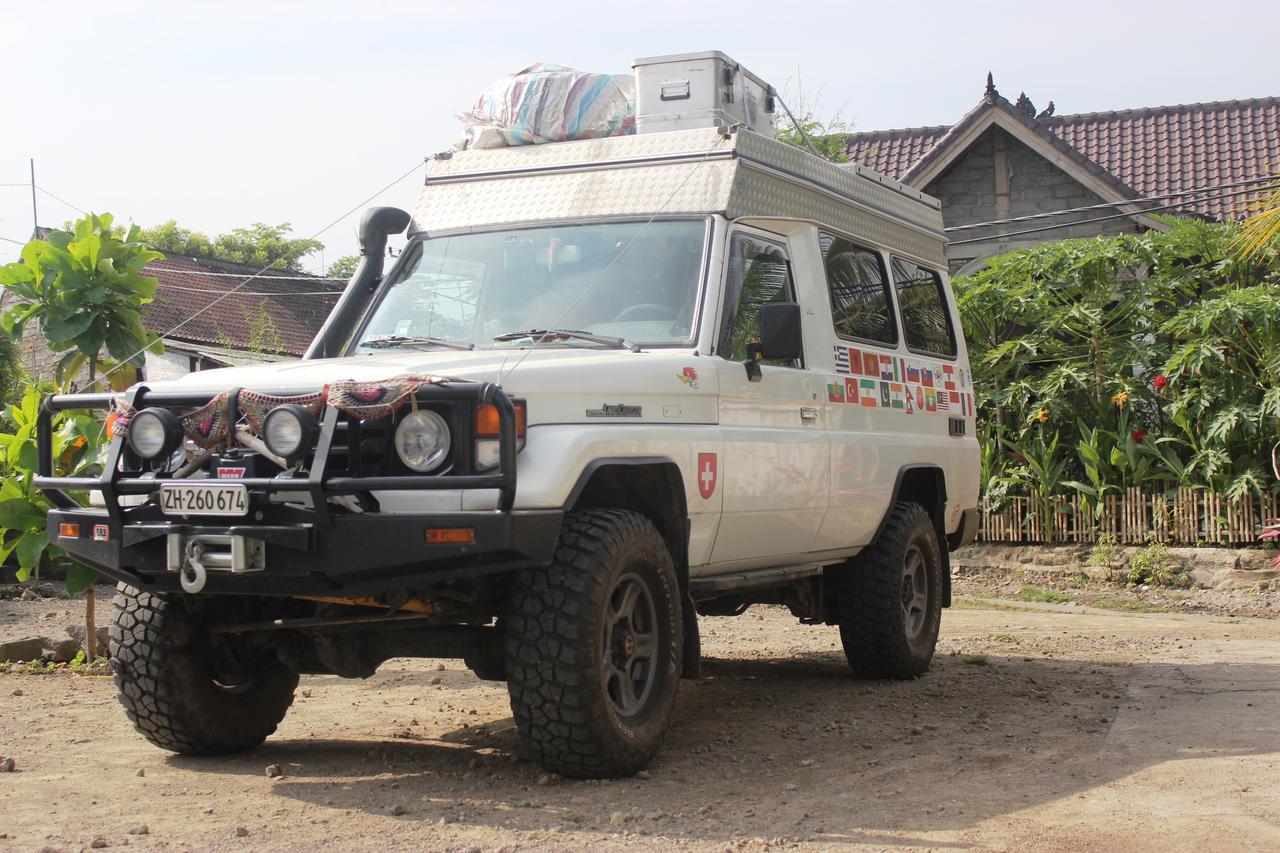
[[210, 499]]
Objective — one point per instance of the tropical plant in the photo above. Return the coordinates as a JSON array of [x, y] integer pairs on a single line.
[[78, 440], [1147, 360], [86, 290], [344, 267]]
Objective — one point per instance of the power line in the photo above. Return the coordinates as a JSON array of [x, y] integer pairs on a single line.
[[63, 200], [359, 205], [1108, 204], [311, 278], [1075, 222], [254, 293], [15, 242]]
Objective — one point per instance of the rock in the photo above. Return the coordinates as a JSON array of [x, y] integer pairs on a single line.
[[99, 842], [397, 810], [8, 765], [140, 829], [806, 762], [547, 779], [439, 667], [62, 651], [306, 693], [617, 818], [18, 691], [141, 772], [76, 632], [643, 774], [241, 832], [274, 771], [28, 594], [208, 810], [434, 680], [26, 648]]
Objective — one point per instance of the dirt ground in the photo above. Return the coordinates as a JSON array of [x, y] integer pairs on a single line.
[[1039, 727]]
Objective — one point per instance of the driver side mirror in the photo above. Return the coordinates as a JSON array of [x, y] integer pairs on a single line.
[[780, 338]]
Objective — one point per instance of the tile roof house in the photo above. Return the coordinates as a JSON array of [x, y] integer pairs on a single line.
[[270, 318], [1004, 160]]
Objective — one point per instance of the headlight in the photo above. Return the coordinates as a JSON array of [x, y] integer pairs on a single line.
[[154, 433], [289, 431], [422, 441]]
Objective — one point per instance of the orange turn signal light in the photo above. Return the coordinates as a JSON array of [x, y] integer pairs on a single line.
[[487, 420], [450, 536], [69, 530]]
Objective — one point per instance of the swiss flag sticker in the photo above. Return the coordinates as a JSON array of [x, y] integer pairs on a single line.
[[706, 475]]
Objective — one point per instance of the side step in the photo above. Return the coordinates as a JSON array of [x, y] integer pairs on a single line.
[[714, 586]]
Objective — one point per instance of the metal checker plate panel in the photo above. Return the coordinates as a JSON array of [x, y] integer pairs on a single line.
[[762, 194], [861, 185], [581, 152], [700, 186]]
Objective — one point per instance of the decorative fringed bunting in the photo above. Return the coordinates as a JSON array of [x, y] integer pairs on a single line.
[[210, 425], [255, 406], [372, 400]]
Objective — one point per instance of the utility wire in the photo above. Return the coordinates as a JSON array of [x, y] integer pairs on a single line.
[[356, 207], [1075, 222], [312, 278], [167, 286], [1108, 204], [13, 241], [63, 200]]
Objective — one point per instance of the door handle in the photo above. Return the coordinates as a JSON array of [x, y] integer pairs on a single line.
[[808, 413]]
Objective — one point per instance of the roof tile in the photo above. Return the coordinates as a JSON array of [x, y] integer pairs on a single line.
[[1154, 150]]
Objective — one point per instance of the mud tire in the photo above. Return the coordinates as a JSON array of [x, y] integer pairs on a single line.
[[564, 682], [876, 624], [165, 683]]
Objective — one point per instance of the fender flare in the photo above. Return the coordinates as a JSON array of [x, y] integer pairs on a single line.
[[939, 521]]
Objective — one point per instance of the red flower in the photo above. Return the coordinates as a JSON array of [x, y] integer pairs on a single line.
[[1160, 382], [1139, 435]]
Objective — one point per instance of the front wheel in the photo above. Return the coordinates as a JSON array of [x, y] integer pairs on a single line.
[[890, 598], [593, 647], [186, 692]]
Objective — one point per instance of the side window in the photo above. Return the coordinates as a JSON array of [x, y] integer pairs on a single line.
[[859, 286], [759, 273], [926, 322]]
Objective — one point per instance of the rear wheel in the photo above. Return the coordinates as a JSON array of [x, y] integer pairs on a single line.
[[890, 598], [593, 647], [186, 692]]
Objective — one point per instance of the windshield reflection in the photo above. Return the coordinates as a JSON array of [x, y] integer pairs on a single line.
[[624, 280]]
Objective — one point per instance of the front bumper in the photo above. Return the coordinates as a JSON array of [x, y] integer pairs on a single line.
[[357, 554]]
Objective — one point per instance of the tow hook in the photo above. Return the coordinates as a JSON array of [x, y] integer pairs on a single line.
[[193, 556], [193, 575]]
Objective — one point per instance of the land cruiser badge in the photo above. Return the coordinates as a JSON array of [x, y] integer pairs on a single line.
[[614, 410]]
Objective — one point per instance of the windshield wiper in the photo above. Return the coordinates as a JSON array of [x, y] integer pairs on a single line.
[[543, 335], [409, 340]]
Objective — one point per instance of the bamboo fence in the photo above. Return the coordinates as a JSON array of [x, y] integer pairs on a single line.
[[1134, 517]]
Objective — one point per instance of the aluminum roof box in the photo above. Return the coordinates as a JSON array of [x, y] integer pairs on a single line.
[[708, 89], [702, 171]]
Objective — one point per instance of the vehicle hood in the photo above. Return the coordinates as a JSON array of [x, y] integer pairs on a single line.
[[562, 385]]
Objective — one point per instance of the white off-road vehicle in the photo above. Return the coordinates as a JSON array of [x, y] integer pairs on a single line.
[[609, 386]]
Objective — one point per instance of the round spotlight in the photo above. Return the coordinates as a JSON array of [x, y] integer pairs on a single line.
[[422, 441], [289, 431], [154, 433]]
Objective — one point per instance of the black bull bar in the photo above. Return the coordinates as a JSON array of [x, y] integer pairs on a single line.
[[317, 483]]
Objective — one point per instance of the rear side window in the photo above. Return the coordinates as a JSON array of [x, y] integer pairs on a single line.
[[926, 322], [860, 304], [759, 273]]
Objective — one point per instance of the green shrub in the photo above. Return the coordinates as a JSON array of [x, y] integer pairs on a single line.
[[1153, 567]]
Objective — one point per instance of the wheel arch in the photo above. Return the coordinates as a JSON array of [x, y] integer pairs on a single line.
[[925, 485], [654, 487]]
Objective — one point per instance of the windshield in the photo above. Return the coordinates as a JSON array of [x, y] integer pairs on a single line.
[[627, 280]]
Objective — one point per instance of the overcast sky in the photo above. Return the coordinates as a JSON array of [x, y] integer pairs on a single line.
[[227, 113]]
